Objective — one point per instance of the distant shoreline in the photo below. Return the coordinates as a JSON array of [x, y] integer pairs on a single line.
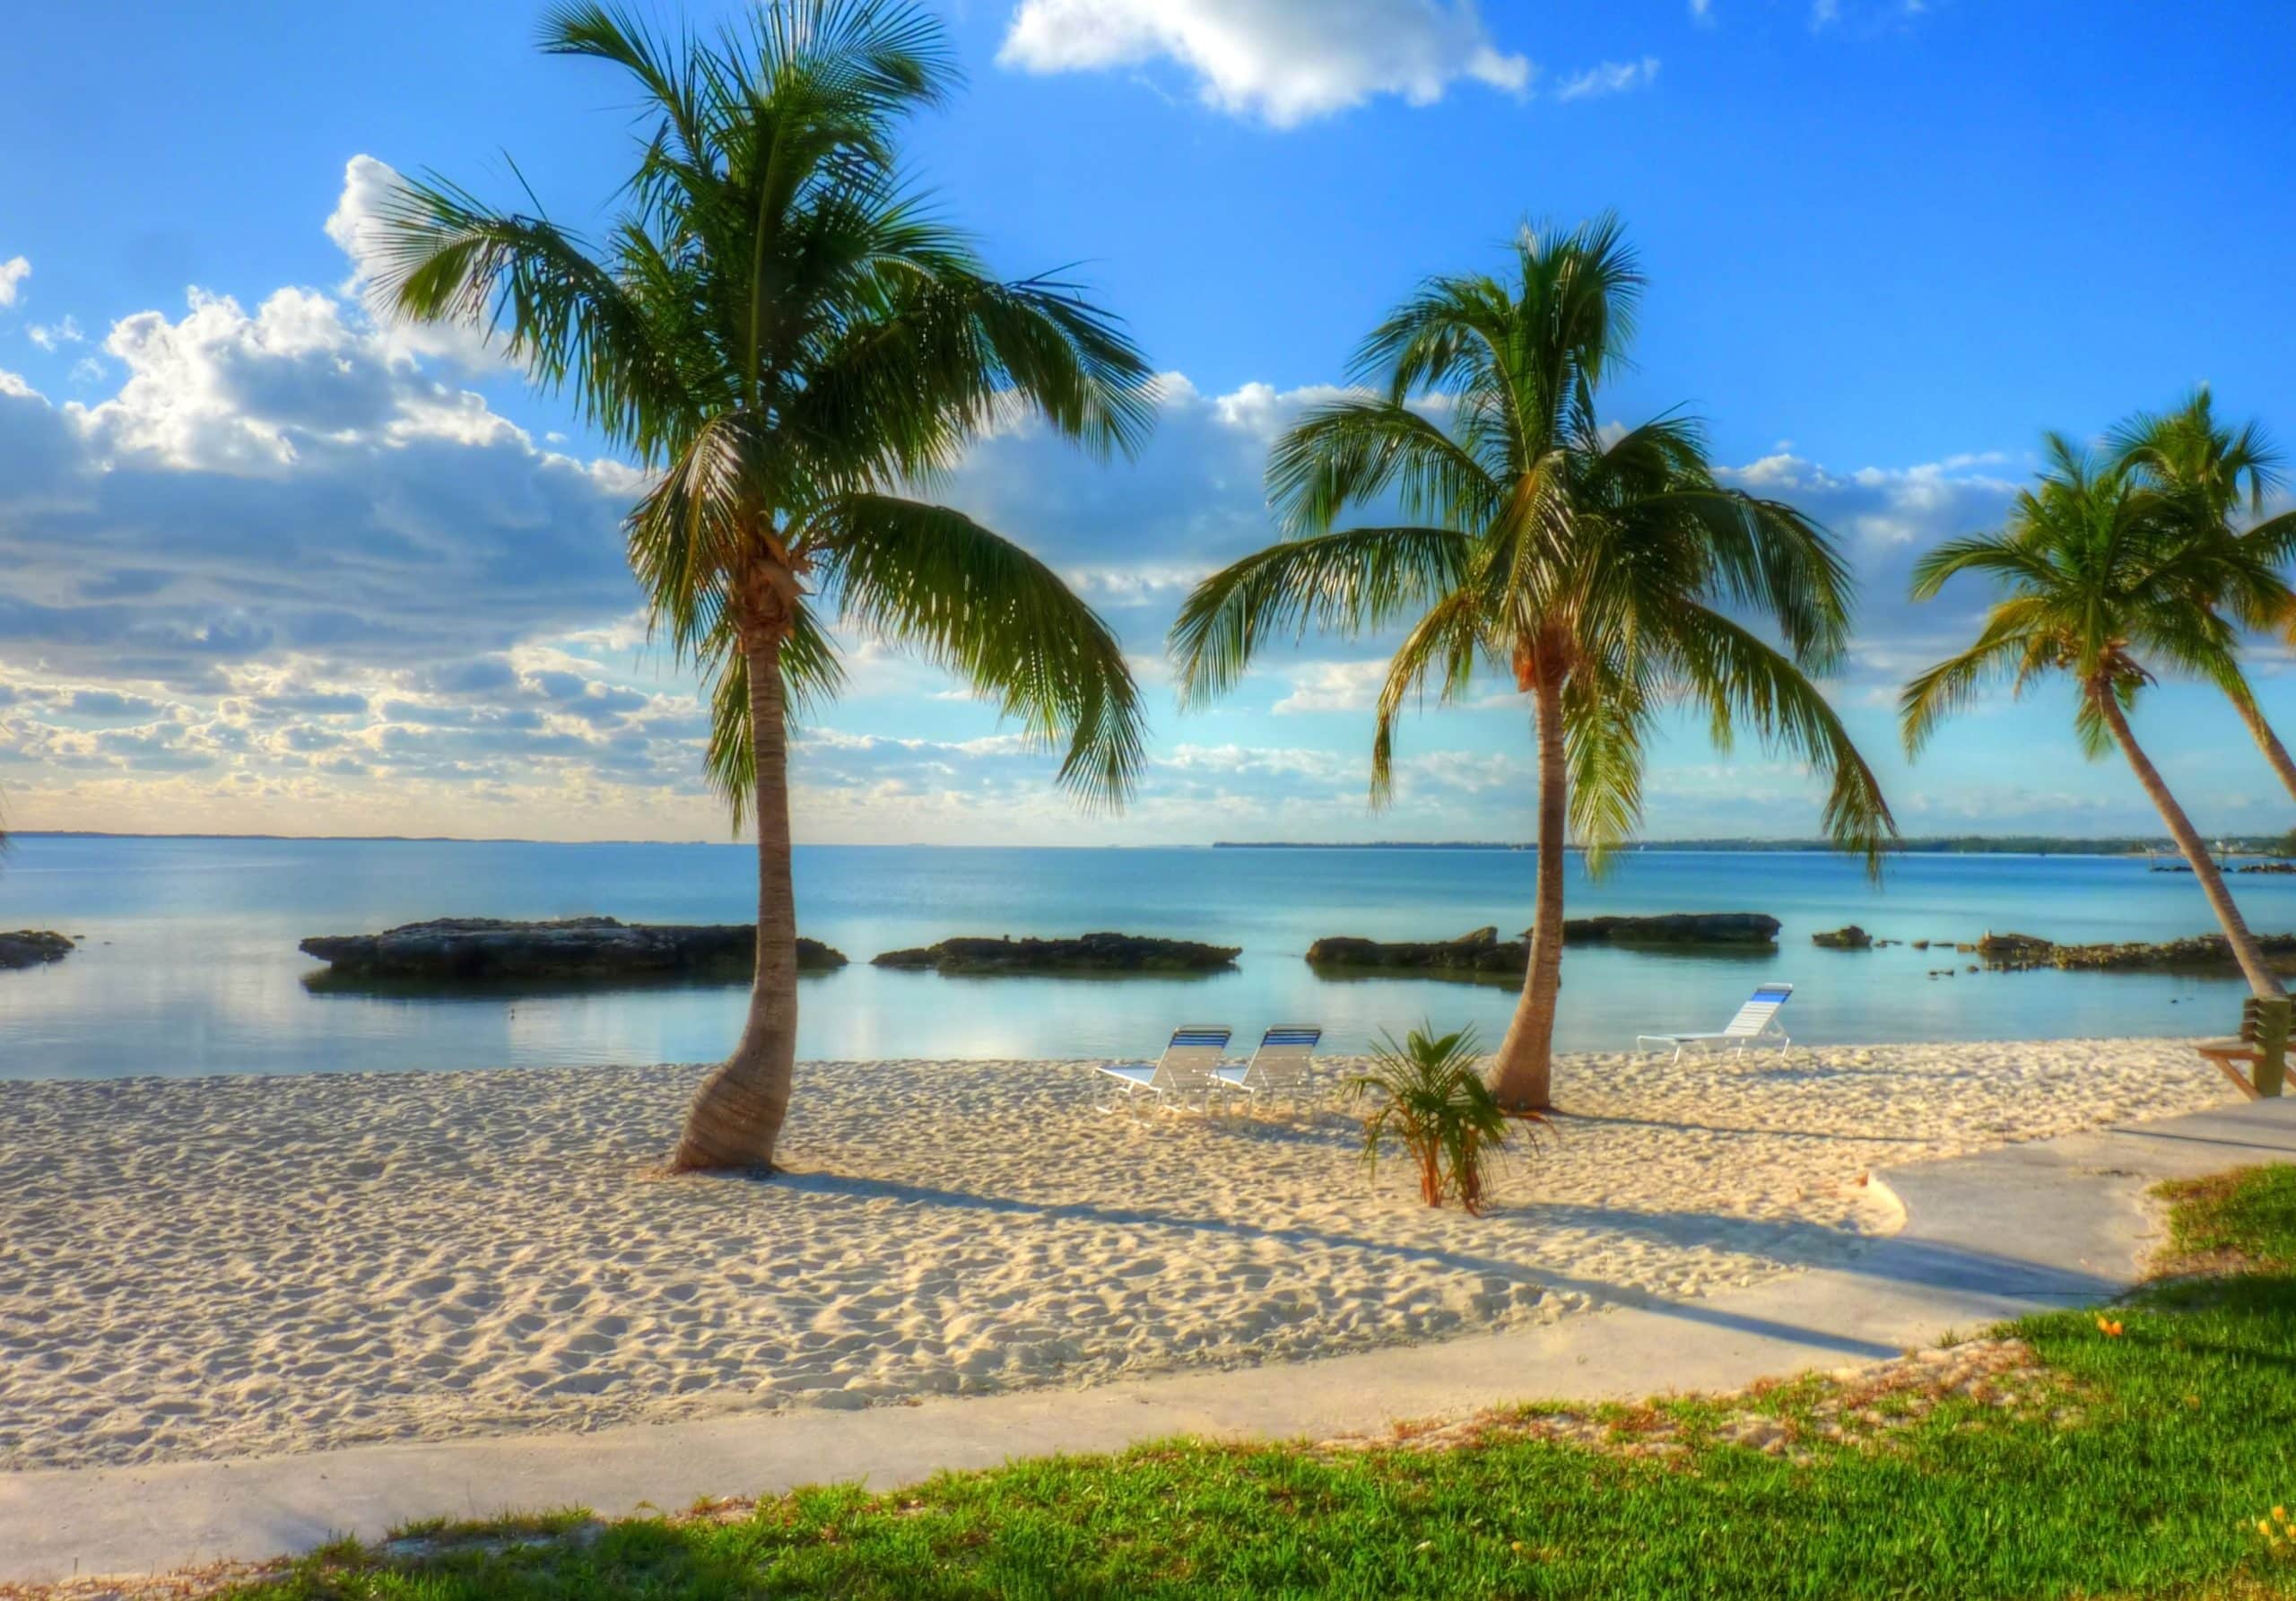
[[1942, 845], [1951, 844]]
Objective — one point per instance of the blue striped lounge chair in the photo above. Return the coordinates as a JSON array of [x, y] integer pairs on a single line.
[[1278, 1069], [1184, 1072], [1756, 1020]]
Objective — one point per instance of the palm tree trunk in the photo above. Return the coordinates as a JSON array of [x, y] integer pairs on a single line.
[[737, 1114], [2267, 741], [2245, 950], [1522, 1073]]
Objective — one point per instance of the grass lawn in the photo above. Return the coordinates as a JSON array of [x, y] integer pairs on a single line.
[[2056, 1458]]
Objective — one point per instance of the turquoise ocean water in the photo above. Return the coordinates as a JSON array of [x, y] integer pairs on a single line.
[[190, 966]]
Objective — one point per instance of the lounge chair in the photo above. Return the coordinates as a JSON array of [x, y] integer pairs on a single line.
[[1754, 1020], [1278, 1068], [1183, 1071]]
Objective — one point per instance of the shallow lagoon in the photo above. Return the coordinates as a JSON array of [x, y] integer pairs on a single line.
[[190, 965]]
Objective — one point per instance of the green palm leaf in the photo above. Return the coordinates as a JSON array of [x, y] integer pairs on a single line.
[[1591, 571], [790, 340], [2108, 570]]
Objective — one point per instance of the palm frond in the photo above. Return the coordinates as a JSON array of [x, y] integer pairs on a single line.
[[1355, 450], [1442, 645], [1352, 581], [1608, 707], [929, 579], [1743, 680], [1583, 561], [1937, 692], [534, 289]]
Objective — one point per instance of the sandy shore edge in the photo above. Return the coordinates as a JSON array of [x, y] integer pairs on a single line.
[[231, 1265]]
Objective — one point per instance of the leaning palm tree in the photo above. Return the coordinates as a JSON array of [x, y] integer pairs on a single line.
[[2101, 574], [2223, 477], [1599, 575], [780, 331]]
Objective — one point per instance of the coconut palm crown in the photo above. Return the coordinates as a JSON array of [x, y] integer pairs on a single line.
[[788, 338], [1605, 576], [2105, 580], [2221, 478]]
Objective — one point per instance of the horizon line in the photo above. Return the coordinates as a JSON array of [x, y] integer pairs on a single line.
[[1782, 842]]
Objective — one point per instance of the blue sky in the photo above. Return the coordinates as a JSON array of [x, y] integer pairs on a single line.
[[279, 567]]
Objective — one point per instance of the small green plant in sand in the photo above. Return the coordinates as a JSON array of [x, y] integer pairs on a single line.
[[1428, 1096]]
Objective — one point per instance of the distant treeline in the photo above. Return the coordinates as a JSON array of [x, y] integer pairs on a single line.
[[1939, 845]]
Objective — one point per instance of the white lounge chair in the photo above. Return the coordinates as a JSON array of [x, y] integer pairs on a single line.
[[1184, 1071], [1754, 1021], [1278, 1068]]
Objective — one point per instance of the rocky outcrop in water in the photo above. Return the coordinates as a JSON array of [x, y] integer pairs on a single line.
[[2207, 953], [1674, 928], [30, 947], [478, 949], [1087, 953], [1850, 937], [1483, 952]]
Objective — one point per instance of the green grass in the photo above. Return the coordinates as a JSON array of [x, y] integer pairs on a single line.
[[2185, 1436]]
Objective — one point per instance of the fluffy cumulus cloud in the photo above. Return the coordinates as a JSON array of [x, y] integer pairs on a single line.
[[291, 573], [12, 273], [1332, 686], [1282, 61], [1885, 517], [285, 575], [274, 481], [355, 227], [1132, 538], [288, 573]]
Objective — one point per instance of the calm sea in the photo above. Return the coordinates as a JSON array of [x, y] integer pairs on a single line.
[[190, 966]]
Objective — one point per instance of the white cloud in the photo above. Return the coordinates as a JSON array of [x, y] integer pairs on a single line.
[[1282, 61], [276, 574], [1263, 410], [49, 336], [1333, 686], [355, 227], [1867, 17], [1612, 77], [1113, 586], [12, 273], [1231, 762], [1886, 506], [1702, 11], [279, 485], [1134, 536]]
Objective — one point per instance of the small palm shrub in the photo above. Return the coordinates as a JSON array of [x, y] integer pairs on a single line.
[[1428, 1097]]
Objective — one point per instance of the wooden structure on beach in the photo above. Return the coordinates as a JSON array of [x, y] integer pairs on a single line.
[[2262, 1045]]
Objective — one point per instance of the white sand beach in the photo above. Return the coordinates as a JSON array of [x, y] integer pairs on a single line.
[[224, 1266]]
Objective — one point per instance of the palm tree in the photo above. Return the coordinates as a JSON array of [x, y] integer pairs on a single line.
[[2102, 574], [779, 329], [1597, 573], [2220, 476]]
